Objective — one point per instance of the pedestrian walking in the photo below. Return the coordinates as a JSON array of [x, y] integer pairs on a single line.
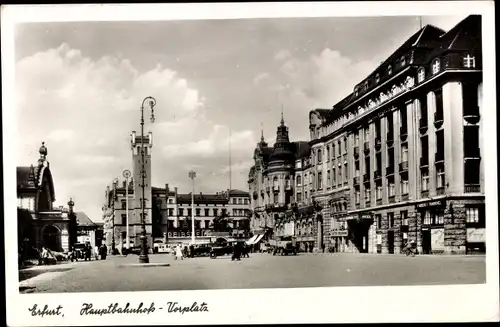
[[323, 247], [96, 252], [178, 253], [103, 251]]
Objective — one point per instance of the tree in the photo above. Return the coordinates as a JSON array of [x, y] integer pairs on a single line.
[[221, 223]]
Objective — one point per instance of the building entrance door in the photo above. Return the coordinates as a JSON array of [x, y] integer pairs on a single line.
[[390, 241], [426, 242], [52, 238]]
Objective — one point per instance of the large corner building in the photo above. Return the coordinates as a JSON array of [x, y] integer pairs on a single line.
[[397, 160]]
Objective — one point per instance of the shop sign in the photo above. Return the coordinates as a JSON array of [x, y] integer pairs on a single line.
[[438, 203], [338, 233], [182, 234], [289, 229], [365, 216], [476, 235]]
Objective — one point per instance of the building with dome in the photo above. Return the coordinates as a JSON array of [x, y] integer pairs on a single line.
[[39, 223], [281, 199], [399, 158]]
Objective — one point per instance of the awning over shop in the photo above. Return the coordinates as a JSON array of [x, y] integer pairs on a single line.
[[259, 238], [251, 240]]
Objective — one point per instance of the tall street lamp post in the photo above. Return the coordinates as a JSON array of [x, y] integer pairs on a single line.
[[143, 257], [192, 175], [126, 174], [113, 199]]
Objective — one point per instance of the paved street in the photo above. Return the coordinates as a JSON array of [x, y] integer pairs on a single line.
[[259, 271]]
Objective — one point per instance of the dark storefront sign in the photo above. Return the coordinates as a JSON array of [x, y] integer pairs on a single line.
[[437, 203], [184, 233]]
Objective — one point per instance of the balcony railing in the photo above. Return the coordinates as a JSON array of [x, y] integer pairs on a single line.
[[422, 122], [403, 132], [356, 180], [438, 157], [367, 147], [366, 178], [389, 170], [424, 161], [390, 138], [403, 166], [471, 114], [472, 188], [472, 154], [438, 119]]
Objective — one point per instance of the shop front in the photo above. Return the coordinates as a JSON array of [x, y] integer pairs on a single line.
[[338, 239], [358, 226], [432, 231]]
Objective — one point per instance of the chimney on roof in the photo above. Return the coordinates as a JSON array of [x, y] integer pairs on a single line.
[[166, 188], [175, 190]]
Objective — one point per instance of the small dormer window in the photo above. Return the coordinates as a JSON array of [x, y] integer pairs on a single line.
[[365, 86], [356, 91], [403, 61], [469, 61], [436, 66], [421, 75], [377, 78], [389, 70]]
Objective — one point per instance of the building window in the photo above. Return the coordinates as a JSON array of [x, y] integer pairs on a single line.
[[439, 217], [425, 180], [472, 215], [320, 156], [245, 201], [240, 201], [469, 62], [207, 212], [234, 201], [198, 212], [124, 205], [207, 224], [378, 219], [216, 212], [299, 181], [357, 195], [170, 212], [356, 168], [333, 150], [181, 212], [404, 218], [367, 194], [421, 75], [403, 61], [275, 197], [379, 191], [427, 217], [189, 212], [170, 201], [390, 218], [436, 66], [389, 70], [377, 78], [275, 183], [345, 172], [170, 224], [197, 224], [404, 152], [356, 139], [224, 212], [328, 179], [299, 197], [320, 180], [404, 187], [124, 219], [333, 176], [391, 188], [440, 176], [305, 196], [327, 152]]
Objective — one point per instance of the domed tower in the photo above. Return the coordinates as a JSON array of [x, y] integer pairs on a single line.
[[281, 167]]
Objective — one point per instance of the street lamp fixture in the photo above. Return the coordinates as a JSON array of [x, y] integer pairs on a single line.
[[143, 257], [192, 175]]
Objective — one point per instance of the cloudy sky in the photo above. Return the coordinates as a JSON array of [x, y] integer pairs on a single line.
[[79, 87]]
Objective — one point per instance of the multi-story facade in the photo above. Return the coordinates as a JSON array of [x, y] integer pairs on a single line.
[[172, 213], [280, 184], [399, 158]]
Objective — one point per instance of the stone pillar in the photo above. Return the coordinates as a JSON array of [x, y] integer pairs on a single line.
[[385, 241], [418, 223], [372, 239], [397, 233], [455, 230]]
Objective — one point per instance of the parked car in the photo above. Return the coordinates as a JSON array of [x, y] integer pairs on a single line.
[[81, 251], [219, 249]]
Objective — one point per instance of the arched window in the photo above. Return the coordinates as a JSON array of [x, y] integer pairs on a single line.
[[320, 156], [327, 152], [421, 74], [275, 182], [436, 66]]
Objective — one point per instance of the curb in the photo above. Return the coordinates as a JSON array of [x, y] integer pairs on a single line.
[[143, 265]]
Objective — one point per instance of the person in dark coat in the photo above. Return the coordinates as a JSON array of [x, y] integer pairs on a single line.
[[236, 252], [191, 251], [103, 251]]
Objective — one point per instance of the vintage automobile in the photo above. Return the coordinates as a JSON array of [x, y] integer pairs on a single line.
[[201, 250], [284, 246], [81, 251], [220, 248]]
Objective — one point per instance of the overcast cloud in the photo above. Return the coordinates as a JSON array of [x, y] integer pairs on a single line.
[[80, 86]]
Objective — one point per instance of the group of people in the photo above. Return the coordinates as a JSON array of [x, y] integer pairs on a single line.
[[240, 250], [184, 252]]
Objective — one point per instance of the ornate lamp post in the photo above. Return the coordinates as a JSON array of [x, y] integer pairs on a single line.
[[143, 257], [113, 200], [192, 175]]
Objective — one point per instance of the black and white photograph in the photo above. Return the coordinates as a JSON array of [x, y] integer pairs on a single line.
[[159, 160]]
